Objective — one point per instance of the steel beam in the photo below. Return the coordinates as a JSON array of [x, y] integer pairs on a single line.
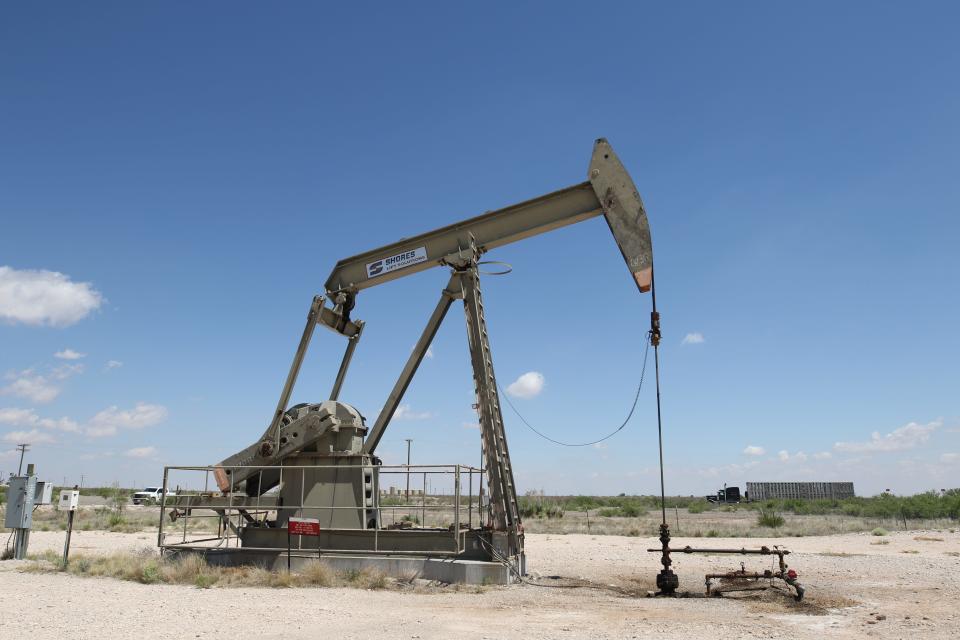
[[345, 363], [609, 190], [450, 293], [273, 431]]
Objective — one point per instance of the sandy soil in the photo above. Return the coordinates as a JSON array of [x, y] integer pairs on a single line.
[[906, 588]]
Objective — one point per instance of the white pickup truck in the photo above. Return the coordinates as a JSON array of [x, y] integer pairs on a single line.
[[150, 495]]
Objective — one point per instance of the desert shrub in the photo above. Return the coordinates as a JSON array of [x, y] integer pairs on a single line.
[[769, 518], [554, 511], [282, 579], [205, 580], [350, 575], [632, 510], [538, 507], [583, 503], [150, 573], [318, 574], [627, 510], [80, 565], [529, 508], [880, 531], [182, 570], [699, 506], [852, 510], [373, 579]]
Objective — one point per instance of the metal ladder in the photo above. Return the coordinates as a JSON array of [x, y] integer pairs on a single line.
[[504, 511]]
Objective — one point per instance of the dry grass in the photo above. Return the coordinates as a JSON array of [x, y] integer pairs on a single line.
[[928, 539], [102, 518], [146, 568], [719, 523]]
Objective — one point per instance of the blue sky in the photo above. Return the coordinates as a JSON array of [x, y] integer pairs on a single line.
[[194, 172]]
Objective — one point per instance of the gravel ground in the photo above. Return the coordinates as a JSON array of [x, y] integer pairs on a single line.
[[856, 588]]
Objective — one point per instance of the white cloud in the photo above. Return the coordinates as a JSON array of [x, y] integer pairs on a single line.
[[33, 437], [528, 385], [30, 385], [27, 418], [751, 450], [108, 421], [16, 417], [727, 470], [693, 338], [141, 452], [113, 364], [44, 298], [950, 458], [65, 371], [96, 455], [823, 455], [900, 439], [406, 412], [69, 354], [37, 387], [785, 456]]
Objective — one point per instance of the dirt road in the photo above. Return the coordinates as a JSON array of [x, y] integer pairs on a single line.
[[907, 587]]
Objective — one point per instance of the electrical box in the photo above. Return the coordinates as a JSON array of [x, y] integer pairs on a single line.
[[43, 494], [20, 494], [69, 500]]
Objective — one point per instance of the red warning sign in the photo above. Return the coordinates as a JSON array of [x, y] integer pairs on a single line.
[[303, 527]]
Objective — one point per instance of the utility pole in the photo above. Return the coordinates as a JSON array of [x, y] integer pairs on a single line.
[[409, 440], [23, 448], [81, 480]]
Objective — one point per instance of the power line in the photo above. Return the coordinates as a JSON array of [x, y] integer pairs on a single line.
[[633, 407]]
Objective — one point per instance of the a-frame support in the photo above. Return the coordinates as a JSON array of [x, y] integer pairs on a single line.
[[503, 512]]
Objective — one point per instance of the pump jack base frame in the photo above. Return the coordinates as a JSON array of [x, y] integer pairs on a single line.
[[463, 569]]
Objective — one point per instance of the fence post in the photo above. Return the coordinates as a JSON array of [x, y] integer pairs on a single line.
[[456, 500]]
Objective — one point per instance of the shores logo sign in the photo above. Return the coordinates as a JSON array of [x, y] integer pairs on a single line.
[[405, 259]]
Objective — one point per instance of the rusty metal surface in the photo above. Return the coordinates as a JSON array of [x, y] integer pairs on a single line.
[[764, 550], [667, 582], [623, 211]]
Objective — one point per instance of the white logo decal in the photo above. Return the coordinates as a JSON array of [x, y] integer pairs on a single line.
[[405, 259]]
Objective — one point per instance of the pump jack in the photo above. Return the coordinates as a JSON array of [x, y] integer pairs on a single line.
[[309, 432]]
